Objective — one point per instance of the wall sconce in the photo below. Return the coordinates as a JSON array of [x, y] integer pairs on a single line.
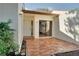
[[20, 12]]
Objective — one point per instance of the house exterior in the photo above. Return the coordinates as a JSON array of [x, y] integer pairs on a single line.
[[38, 24], [11, 11], [54, 22]]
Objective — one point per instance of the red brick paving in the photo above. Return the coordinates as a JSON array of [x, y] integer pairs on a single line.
[[48, 46]]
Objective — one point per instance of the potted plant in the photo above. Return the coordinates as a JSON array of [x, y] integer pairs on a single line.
[[7, 43]]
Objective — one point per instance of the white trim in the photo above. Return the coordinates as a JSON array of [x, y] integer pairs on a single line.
[[20, 31]]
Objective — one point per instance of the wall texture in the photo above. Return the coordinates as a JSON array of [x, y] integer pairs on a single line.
[[61, 27], [27, 25]]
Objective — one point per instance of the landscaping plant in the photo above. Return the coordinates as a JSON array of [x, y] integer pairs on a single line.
[[7, 42]]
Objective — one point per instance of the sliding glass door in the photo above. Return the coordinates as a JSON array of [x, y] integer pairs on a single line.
[[45, 28]]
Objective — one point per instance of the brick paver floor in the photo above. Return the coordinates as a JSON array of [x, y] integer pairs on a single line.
[[48, 46]]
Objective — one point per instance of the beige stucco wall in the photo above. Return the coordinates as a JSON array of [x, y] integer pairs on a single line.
[[27, 23]]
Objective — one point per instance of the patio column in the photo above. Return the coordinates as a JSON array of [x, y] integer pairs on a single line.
[[36, 28]]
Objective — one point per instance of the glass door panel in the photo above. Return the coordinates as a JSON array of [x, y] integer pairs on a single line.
[[45, 28]]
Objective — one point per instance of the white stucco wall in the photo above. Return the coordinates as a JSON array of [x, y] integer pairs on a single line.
[[60, 29], [20, 25], [70, 25]]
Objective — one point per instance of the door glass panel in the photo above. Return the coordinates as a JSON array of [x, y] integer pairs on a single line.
[[45, 28]]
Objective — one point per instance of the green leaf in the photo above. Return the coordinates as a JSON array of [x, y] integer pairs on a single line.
[[7, 42]]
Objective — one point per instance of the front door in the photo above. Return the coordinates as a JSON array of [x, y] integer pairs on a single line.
[[45, 28]]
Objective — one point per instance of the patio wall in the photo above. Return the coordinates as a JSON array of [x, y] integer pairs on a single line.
[[59, 32], [27, 25]]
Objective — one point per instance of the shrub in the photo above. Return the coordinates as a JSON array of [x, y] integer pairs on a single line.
[[7, 43]]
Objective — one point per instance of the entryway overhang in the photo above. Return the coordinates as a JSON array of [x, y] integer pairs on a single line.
[[32, 20], [39, 12]]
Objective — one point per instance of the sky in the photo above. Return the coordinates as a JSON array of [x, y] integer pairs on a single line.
[[52, 6]]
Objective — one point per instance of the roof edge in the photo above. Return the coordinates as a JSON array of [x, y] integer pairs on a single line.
[[38, 12]]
